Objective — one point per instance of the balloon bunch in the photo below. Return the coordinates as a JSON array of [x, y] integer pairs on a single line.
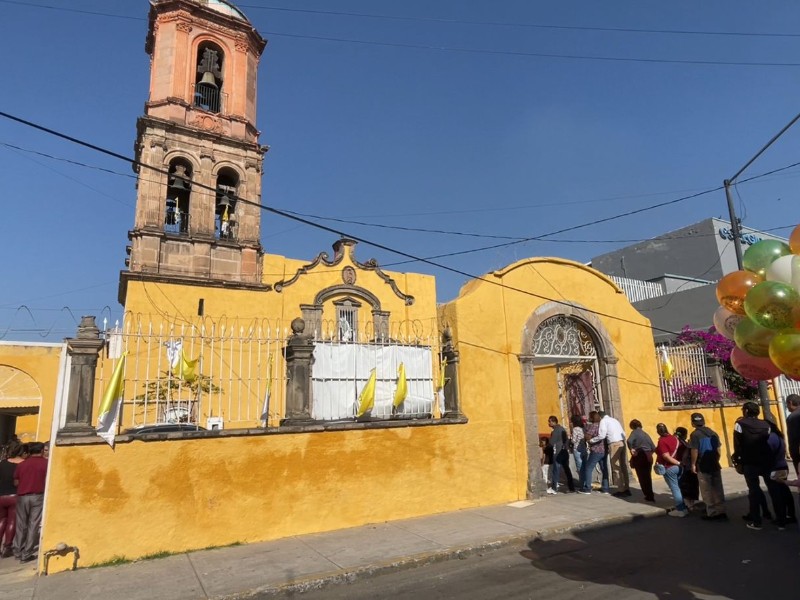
[[760, 310]]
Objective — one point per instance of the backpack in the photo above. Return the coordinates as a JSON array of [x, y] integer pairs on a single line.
[[707, 454]]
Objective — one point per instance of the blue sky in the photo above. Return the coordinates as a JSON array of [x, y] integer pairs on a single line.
[[386, 129]]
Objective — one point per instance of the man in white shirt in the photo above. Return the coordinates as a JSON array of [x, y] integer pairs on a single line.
[[612, 432]]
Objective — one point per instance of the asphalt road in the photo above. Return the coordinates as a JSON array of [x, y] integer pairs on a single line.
[[665, 558]]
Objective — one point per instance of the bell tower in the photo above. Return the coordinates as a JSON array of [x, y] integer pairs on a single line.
[[198, 133]]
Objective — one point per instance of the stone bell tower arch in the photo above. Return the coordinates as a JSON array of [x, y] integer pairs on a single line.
[[198, 145]]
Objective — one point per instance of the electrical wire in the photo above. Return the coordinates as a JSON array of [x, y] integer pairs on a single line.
[[310, 223], [628, 59]]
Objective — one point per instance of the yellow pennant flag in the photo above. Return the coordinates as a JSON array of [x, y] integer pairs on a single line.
[[366, 399], [186, 368], [402, 386], [667, 370], [108, 414]]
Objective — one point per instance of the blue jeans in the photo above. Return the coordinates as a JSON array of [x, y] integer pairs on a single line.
[[671, 476], [592, 461], [580, 463]]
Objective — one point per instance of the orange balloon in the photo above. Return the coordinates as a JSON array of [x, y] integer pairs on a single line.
[[794, 240], [732, 289]]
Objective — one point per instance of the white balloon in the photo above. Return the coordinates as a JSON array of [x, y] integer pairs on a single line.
[[725, 321], [782, 269], [795, 280]]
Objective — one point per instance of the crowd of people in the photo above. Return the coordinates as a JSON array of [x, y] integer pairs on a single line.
[[23, 471], [690, 463]]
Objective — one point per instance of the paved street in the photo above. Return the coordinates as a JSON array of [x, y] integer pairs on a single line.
[[663, 558]]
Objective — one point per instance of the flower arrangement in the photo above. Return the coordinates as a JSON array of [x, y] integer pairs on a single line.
[[696, 393], [718, 348]]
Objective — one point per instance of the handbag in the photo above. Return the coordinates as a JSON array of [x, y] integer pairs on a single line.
[[659, 469]]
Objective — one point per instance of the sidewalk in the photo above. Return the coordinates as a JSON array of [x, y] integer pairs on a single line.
[[309, 561]]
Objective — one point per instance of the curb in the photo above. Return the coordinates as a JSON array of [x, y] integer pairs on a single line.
[[353, 575]]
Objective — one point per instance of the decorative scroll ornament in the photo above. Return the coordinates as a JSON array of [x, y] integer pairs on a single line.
[[562, 336]]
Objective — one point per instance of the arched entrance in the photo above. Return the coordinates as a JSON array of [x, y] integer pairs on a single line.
[[20, 397], [570, 345]]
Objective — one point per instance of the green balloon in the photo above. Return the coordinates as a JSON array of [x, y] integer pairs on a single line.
[[752, 338], [772, 304], [760, 255]]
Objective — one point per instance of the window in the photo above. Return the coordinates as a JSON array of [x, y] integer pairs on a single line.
[[225, 205], [347, 319], [208, 82], [179, 185]]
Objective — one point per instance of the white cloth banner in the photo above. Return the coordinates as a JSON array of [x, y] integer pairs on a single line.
[[340, 371]]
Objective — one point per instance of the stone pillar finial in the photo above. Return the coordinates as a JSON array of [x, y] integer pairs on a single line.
[[83, 351], [299, 357]]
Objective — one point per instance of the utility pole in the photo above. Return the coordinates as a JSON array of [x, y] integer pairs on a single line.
[[763, 391]]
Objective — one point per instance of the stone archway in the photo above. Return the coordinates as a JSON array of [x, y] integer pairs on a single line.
[[608, 378]]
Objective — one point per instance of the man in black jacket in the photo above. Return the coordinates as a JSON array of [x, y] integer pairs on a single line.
[[751, 453], [793, 429]]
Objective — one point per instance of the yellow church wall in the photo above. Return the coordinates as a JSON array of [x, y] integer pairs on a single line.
[[488, 320], [41, 363], [178, 495]]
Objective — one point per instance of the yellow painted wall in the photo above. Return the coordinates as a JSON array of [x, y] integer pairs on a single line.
[[41, 363], [146, 497], [487, 321]]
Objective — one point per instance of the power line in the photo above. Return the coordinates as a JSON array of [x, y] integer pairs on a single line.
[[310, 223], [522, 25], [630, 59], [440, 48]]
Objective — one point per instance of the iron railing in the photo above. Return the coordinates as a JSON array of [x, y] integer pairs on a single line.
[[208, 98]]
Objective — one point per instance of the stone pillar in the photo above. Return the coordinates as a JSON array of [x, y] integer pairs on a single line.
[[610, 388], [83, 351], [452, 401], [299, 356], [536, 484]]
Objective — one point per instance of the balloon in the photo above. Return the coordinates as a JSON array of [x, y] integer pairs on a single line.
[[784, 269], [794, 240], [772, 304], [753, 338], [732, 289], [753, 367], [760, 255], [784, 351], [725, 322]]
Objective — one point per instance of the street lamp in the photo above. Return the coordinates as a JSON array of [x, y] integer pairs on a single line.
[[763, 392]]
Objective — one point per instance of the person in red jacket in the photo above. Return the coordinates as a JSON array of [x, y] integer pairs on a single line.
[[29, 477]]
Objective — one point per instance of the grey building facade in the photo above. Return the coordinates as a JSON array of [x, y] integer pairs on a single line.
[[671, 279]]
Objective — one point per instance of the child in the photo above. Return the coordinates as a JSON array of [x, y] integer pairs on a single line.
[[547, 459]]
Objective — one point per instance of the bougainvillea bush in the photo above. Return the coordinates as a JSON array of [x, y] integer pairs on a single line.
[[719, 348]]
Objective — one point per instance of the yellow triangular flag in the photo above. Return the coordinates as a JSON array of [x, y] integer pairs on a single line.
[[366, 399], [186, 368], [108, 414], [667, 370], [402, 386], [225, 216]]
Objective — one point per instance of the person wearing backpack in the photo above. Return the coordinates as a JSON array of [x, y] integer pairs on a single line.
[[752, 455], [782, 499], [705, 445]]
